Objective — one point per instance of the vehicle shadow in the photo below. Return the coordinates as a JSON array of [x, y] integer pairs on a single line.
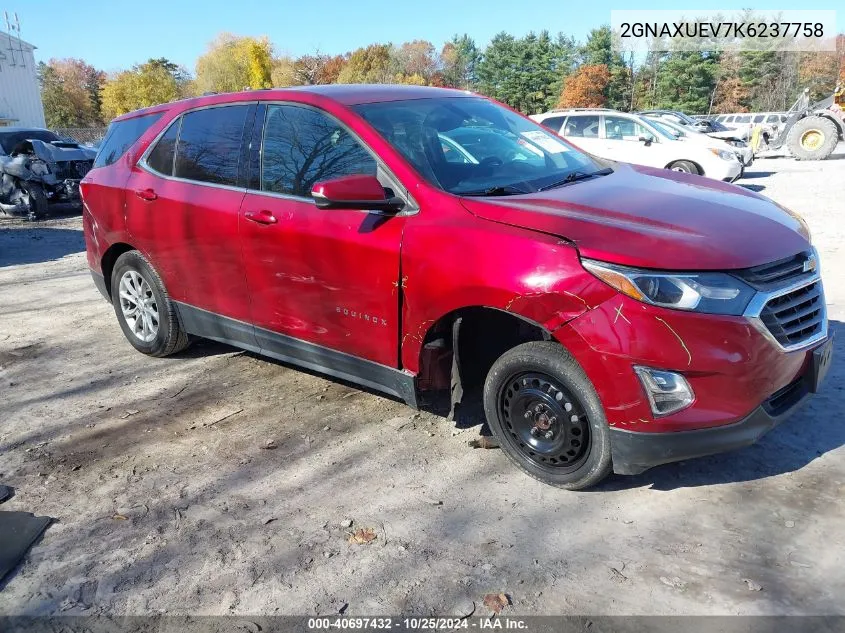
[[38, 244], [756, 174], [813, 431]]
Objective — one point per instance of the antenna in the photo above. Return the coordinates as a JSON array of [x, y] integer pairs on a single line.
[[20, 41], [9, 35]]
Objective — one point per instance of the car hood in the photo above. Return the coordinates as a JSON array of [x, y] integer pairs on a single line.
[[655, 218], [726, 135], [58, 153]]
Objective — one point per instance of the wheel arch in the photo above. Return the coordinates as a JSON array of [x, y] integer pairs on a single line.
[[465, 342], [686, 160], [110, 257]]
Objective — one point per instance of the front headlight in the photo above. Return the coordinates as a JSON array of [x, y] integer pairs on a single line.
[[722, 153], [713, 293]]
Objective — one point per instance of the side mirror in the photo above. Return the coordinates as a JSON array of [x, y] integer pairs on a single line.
[[354, 192], [646, 140]]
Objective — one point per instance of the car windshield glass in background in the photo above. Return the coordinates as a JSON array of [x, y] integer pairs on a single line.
[[667, 130], [303, 146], [499, 149], [121, 135], [10, 140], [553, 123], [210, 144]]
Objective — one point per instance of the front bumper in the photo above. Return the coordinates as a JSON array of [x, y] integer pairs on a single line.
[[634, 452]]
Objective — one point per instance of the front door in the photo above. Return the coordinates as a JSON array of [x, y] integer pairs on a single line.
[[623, 138], [328, 277]]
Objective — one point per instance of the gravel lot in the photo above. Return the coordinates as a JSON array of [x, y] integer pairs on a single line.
[[167, 499]]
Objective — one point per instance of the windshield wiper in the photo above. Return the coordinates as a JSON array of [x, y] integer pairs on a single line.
[[575, 176], [499, 190]]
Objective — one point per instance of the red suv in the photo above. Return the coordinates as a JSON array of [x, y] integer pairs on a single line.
[[421, 240]]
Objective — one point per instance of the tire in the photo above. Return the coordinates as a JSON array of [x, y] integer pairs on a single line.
[[37, 200], [159, 336], [684, 166], [812, 138], [543, 374]]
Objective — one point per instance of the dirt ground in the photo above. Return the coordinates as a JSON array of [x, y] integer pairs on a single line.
[[167, 499]]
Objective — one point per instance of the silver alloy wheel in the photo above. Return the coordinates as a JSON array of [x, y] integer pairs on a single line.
[[138, 305]]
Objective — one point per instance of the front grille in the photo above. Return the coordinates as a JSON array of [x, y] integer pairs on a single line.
[[797, 316], [780, 272]]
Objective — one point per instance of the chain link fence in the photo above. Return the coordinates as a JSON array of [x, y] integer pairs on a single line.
[[82, 135]]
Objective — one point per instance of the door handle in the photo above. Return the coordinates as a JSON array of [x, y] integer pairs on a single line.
[[146, 194], [261, 217]]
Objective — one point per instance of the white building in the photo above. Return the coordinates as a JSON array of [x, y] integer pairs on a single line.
[[20, 95]]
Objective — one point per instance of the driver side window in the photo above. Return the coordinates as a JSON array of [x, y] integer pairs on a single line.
[[303, 146], [624, 129]]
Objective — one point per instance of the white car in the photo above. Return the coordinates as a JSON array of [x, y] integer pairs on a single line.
[[742, 149], [629, 138]]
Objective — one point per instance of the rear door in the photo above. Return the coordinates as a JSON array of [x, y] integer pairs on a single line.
[[328, 277], [182, 205]]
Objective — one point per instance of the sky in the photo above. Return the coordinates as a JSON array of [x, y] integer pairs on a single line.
[[114, 35]]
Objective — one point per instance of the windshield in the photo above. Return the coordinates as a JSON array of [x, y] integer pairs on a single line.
[[9, 140], [469, 145], [668, 130]]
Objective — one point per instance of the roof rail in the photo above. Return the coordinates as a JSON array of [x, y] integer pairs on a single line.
[[580, 109]]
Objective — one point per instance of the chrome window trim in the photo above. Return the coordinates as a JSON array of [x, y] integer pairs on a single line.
[[761, 298]]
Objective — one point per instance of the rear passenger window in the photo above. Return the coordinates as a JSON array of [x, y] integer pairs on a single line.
[[210, 144], [553, 123], [582, 126], [121, 135], [161, 158], [302, 146]]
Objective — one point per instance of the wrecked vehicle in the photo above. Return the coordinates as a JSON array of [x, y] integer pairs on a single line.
[[38, 168]]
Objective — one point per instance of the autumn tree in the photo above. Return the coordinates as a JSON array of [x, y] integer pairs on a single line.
[[234, 63], [415, 62], [70, 92], [282, 72], [586, 87], [156, 81], [730, 93], [598, 51], [459, 58], [370, 64]]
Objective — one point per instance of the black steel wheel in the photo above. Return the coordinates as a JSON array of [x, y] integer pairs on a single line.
[[547, 416], [544, 421]]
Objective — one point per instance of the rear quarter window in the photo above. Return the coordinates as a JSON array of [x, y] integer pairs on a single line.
[[122, 135]]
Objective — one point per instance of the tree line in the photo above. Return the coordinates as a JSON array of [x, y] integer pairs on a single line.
[[532, 73]]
